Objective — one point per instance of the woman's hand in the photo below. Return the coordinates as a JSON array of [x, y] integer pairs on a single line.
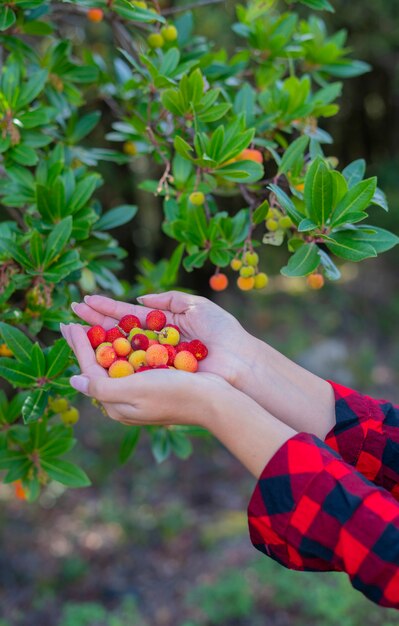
[[295, 396], [231, 350], [157, 397], [166, 397]]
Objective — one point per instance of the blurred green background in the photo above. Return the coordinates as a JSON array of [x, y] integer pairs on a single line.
[[167, 545]]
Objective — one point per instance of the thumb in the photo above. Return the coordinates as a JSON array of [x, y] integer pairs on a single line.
[[174, 301]]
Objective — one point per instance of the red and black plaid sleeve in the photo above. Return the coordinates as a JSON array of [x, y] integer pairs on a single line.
[[312, 511], [366, 435]]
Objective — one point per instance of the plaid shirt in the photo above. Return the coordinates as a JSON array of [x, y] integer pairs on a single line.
[[333, 505]]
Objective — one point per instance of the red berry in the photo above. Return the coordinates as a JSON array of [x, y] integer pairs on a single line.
[[96, 335], [155, 320], [198, 349], [128, 322], [161, 367], [143, 368], [172, 353], [112, 334], [184, 345], [95, 15], [140, 342]]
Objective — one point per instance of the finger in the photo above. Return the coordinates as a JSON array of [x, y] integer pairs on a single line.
[[64, 329], [173, 301], [84, 352], [92, 317], [114, 310]]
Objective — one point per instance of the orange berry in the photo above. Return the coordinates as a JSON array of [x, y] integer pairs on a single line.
[[251, 155], [95, 15], [185, 361], [246, 284], [218, 282], [300, 187], [157, 355], [19, 490], [315, 281], [105, 355], [122, 346], [120, 368]]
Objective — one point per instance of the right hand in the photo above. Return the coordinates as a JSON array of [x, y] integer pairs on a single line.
[[230, 349]]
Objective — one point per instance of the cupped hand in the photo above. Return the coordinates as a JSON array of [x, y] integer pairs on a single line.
[[229, 345], [154, 397]]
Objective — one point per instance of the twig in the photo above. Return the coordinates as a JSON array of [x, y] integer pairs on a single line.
[[189, 7]]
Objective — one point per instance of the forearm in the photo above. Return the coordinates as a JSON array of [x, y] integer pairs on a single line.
[[251, 434], [295, 396]]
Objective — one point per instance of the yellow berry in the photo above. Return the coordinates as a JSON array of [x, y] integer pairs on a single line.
[[245, 284], [247, 271], [197, 198], [58, 405], [169, 32], [251, 258], [236, 264], [120, 369], [169, 336], [138, 359], [261, 280], [272, 224], [155, 40], [285, 222], [70, 417], [130, 148]]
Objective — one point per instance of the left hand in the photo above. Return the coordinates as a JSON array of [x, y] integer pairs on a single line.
[[154, 397]]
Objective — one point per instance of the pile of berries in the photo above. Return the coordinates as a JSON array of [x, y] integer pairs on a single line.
[[129, 348]]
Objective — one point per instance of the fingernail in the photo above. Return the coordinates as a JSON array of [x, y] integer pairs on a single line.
[[86, 299], [147, 295], [73, 306], [80, 383]]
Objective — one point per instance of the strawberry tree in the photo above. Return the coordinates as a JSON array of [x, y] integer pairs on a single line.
[[210, 124]]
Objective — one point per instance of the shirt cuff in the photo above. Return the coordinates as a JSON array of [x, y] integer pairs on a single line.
[[358, 433]]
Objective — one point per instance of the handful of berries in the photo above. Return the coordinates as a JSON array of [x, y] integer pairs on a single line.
[[129, 348]]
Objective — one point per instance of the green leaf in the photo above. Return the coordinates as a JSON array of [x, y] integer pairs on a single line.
[[34, 406], [241, 171], [7, 18], [286, 203], [354, 172], [67, 263], [58, 358], [24, 155], [380, 199], [160, 444], [83, 192], [356, 200], [381, 239], [84, 126], [17, 342], [330, 269], [219, 257], [36, 248], [129, 443], [303, 262], [345, 245], [18, 374], [318, 192], [306, 225], [65, 472], [319, 5], [260, 212], [116, 217], [38, 361], [57, 240], [293, 154], [180, 444]]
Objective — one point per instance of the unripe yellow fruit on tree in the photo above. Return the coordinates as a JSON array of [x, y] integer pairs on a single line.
[[261, 280], [272, 224], [70, 417], [169, 32], [247, 271], [197, 198], [236, 264], [58, 405], [130, 148], [155, 40], [285, 222], [251, 258]]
